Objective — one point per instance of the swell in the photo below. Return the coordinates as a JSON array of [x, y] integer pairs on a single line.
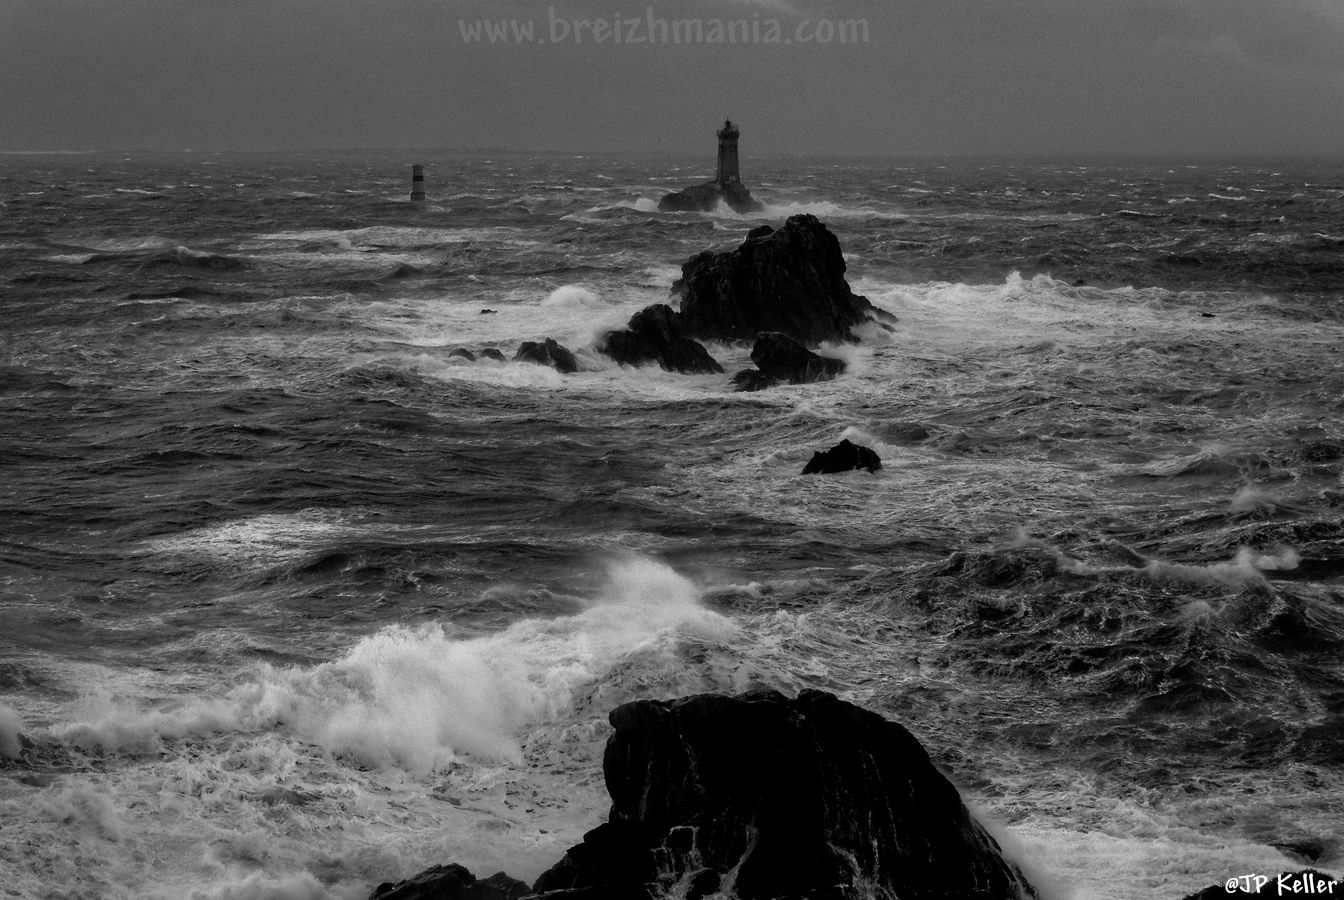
[[1133, 653]]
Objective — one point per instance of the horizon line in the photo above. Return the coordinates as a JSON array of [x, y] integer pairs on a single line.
[[1163, 157]]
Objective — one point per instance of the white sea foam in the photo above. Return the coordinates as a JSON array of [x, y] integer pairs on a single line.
[[856, 359], [1243, 570], [375, 237], [826, 209], [1134, 858], [290, 886], [642, 204], [1255, 498], [82, 804], [417, 698], [261, 541], [573, 296]]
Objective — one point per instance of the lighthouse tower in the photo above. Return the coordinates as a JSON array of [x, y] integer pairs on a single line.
[[727, 186], [727, 170]]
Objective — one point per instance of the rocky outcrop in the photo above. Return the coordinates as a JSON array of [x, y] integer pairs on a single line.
[[768, 798], [707, 197], [843, 457], [790, 280], [452, 882], [547, 353], [654, 335], [783, 358], [753, 380], [492, 353], [462, 353]]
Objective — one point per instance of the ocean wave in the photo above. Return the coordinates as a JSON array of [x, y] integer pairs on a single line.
[[186, 256], [382, 237], [418, 698]]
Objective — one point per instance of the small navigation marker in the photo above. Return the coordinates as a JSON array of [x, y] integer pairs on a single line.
[[417, 184]]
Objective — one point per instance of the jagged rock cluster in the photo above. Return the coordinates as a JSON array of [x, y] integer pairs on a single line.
[[790, 280], [784, 289]]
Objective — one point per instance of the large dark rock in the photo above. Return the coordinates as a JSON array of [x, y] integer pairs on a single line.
[[451, 882], [779, 799], [783, 358], [843, 457], [1305, 882], [706, 198], [791, 281], [547, 353], [654, 334]]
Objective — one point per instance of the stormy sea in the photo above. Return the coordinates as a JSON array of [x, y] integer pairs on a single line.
[[293, 601]]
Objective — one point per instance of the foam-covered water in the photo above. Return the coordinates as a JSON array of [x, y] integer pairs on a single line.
[[295, 602]]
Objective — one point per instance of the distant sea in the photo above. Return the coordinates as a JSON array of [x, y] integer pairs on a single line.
[[293, 602]]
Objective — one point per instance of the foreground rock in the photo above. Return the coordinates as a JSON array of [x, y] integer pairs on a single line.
[[776, 799], [843, 457], [547, 353], [791, 281], [452, 882], [655, 335]]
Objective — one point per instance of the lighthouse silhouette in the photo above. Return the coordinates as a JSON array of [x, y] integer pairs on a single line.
[[727, 186], [727, 172]]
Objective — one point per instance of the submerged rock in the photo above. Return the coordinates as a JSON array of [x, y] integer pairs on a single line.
[[463, 353], [753, 380], [452, 882], [790, 280], [768, 798], [783, 358], [547, 353], [493, 353], [654, 334], [843, 457]]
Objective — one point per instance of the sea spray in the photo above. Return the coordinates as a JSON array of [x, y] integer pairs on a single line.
[[418, 697]]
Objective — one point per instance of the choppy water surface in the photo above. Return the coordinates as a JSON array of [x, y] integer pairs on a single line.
[[293, 602]]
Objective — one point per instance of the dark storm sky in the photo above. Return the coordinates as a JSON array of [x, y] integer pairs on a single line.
[[1184, 78]]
